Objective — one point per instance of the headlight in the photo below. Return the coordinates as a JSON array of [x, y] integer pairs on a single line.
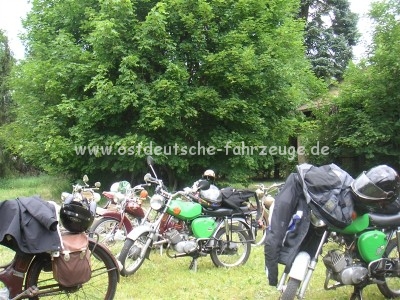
[[156, 202], [64, 196], [316, 221], [119, 197], [97, 197]]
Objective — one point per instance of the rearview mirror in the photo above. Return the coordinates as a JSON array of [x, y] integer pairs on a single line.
[[150, 160], [85, 178]]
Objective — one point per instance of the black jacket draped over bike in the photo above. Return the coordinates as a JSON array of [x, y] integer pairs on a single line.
[[320, 188], [279, 249], [32, 224]]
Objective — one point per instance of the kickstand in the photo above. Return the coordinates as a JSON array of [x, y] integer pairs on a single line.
[[30, 292], [357, 294], [193, 265]]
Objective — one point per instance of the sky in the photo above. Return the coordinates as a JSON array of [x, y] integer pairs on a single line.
[[11, 12]]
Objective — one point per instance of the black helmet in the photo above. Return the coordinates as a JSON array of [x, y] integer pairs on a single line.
[[380, 185], [75, 217]]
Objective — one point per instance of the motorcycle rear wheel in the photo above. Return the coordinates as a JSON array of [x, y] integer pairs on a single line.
[[109, 234], [234, 252], [391, 287], [102, 285], [130, 255]]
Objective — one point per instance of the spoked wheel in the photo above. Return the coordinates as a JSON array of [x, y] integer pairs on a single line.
[[130, 255], [391, 287], [102, 285], [109, 234], [232, 250]]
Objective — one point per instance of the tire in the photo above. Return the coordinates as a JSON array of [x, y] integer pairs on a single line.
[[391, 287], [261, 231], [102, 284], [130, 255], [291, 289], [355, 297], [109, 235], [233, 253]]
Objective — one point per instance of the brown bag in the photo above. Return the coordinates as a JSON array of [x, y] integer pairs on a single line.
[[72, 267]]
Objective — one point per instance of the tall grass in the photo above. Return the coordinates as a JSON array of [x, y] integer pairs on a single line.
[[46, 186]]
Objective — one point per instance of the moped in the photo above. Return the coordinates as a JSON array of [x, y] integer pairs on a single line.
[[114, 223], [186, 229], [259, 227]]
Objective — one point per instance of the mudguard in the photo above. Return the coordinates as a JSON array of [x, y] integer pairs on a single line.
[[117, 216], [138, 231], [300, 266], [235, 220]]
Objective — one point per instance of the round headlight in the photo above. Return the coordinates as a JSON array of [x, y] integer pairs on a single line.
[[64, 196], [97, 197], [119, 197], [156, 202]]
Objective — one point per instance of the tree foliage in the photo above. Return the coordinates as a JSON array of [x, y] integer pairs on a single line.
[[331, 31], [366, 121], [129, 74], [6, 64]]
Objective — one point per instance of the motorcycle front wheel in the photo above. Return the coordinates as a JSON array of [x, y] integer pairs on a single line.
[[102, 284], [232, 247], [109, 233], [130, 254], [291, 289], [391, 287]]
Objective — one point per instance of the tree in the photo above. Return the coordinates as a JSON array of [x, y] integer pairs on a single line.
[[6, 64], [172, 74], [366, 122], [331, 31]]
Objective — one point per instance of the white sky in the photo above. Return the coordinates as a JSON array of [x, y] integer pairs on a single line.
[[11, 12]]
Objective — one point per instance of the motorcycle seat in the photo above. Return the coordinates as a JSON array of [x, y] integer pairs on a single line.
[[223, 211], [384, 220]]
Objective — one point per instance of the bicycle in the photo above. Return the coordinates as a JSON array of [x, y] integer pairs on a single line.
[[30, 273]]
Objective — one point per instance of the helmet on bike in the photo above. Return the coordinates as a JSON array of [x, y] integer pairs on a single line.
[[209, 175], [379, 186], [212, 195], [120, 186], [75, 217]]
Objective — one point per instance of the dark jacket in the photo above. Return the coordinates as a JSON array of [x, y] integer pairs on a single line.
[[325, 190], [281, 244], [32, 224]]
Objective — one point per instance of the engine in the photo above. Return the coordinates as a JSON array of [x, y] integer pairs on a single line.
[[343, 269], [180, 241]]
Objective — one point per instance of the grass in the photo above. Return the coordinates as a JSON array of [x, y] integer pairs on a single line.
[[47, 187], [166, 278], [162, 277]]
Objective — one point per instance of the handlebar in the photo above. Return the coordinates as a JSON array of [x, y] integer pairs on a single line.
[[271, 187], [140, 186], [79, 188], [149, 178]]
